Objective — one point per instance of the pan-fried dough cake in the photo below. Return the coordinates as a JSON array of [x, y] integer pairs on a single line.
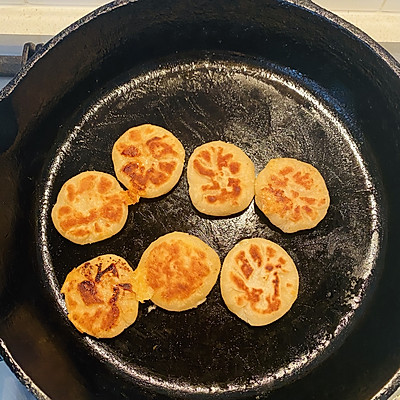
[[177, 272], [292, 194], [99, 296], [90, 207], [221, 179], [259, 281], [148, 160]]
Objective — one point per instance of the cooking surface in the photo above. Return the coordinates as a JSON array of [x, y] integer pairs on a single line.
[[241, 103]]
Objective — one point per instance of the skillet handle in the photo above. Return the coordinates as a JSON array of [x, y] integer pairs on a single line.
[[10, 65], [28, 50]]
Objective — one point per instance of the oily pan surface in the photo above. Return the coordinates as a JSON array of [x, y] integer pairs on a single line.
[[268, 113]]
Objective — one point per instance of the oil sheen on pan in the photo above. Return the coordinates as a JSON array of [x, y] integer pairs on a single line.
[[268, 113]]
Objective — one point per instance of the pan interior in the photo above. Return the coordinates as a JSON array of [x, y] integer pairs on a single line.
[[268, 112]]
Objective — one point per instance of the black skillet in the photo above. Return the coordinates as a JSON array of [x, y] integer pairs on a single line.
[[277, 78]]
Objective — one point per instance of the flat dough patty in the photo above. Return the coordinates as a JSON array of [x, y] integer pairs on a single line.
[[99, 296], [148, 160], [221, 179], [177, 272], [90, 207], [259, 281], [292, 194]]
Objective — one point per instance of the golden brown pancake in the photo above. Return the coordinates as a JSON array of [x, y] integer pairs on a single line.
[[292, 194], [221, 179], [259, 281], [99, 296], [91, 207], [148, 160], [177, 272]]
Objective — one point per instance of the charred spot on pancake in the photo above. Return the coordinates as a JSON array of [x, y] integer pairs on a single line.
[[168, 167], [303, 179], [245, 266], [86, 184], [309, 200], [255, 253], [205, 155], [71, 192], [64, 211], [270, 251], [140, 177], [253, 296], [224, 195], [80, 233], [88, 292], [104, 185], [77, 219], [111, 268], [286, 170], [159, 148], [135, 134], [269, 267], [126, 286], [130, 151], [277, 201], [234, 167], [113, 313], [112, 211], [279, 182], [201, 169]]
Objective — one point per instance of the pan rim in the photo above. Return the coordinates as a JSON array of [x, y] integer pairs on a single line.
[[22, 376], [307, 5]]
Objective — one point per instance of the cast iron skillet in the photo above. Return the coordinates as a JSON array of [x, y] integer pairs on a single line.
[[277, 78]]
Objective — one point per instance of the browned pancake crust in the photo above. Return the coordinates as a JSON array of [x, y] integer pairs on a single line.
[[259, 281], [177, 271], [90, 207], [99, 296], [221, 179], [148, 160]]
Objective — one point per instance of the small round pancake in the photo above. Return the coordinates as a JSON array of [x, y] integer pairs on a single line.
[[99, 296], [177, 272], [221, 179], [259, 281], [292, 194], [90, 207], [148, 160]]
